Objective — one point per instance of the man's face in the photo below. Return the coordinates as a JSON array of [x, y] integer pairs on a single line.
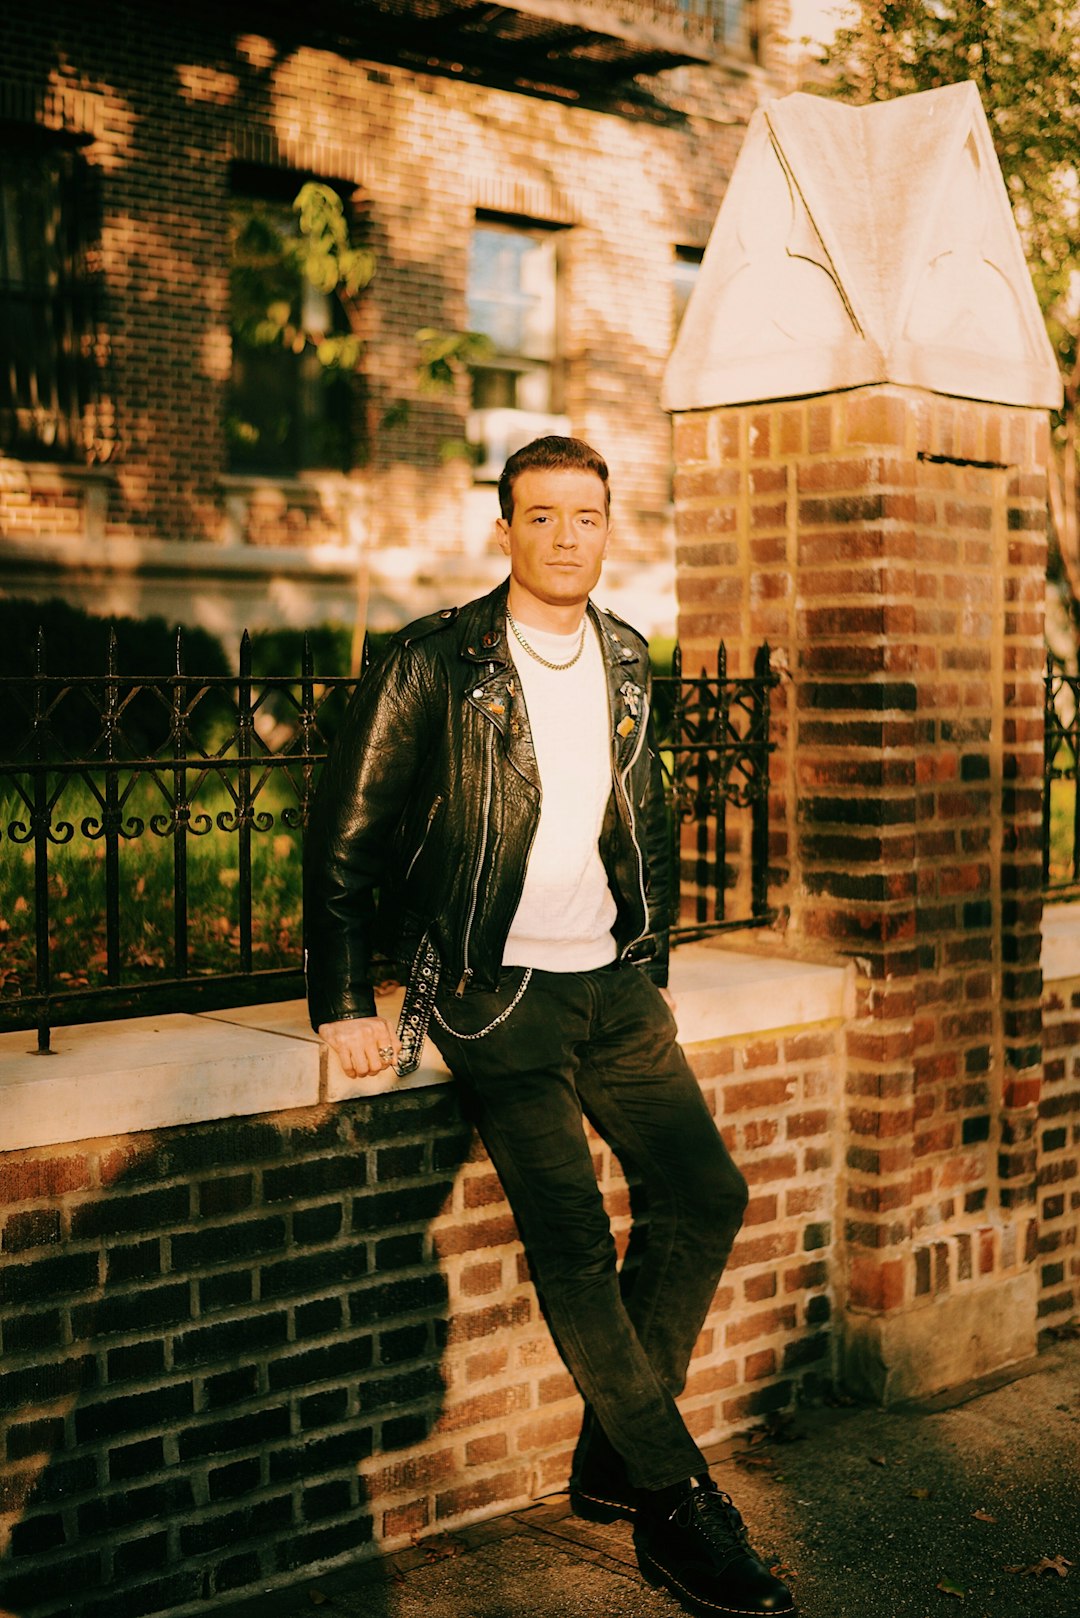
[[557, 537]]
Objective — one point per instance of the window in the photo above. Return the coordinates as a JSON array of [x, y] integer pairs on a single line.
[[684, 274], [736, 22], [51, 333], [286, 412], [512, 299]]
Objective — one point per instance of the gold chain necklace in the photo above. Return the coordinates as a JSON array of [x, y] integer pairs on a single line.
[[535, 654]]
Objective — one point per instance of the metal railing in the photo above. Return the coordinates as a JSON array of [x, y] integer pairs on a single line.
[[151, 829], [714, 743], [1061, 801]]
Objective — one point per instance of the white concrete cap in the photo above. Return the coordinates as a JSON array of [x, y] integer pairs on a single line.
[[860, 245]]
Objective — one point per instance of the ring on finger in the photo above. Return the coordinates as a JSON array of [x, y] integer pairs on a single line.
[[386, 1052]]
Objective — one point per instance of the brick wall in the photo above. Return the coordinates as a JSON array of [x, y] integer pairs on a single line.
[[175, 96], [242, 1350], [1058, 1144], [890, 545]]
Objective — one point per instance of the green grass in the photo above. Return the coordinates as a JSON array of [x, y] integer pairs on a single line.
[[77, 930], [77, 893], [1062, 811]]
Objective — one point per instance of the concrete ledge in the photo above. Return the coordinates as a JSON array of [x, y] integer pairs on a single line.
[[117, 1078], [723, 993], [1061, 942], [161, 558]]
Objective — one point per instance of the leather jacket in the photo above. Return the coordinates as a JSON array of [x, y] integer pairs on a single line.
[[426, 811]]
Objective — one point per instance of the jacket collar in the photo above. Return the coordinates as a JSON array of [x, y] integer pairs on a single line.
[[496, 693], [486, 638]]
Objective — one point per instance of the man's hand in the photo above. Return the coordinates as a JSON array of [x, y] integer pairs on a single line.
[[363, 1045]]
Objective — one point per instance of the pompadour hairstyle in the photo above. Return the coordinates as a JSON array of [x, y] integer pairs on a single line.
[[550, 454]]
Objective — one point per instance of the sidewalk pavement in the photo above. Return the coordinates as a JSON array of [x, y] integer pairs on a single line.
[[968, 1504]]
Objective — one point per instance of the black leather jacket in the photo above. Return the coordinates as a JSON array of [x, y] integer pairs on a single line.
[[428, 805]]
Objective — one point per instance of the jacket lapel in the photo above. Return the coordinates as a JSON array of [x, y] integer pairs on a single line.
[[626, 690], [496, 692]]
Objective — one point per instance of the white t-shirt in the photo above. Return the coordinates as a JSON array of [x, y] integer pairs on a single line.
[[564, 919]]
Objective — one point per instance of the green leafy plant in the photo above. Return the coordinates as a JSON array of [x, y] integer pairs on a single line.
[[1024, 58], [271, 266]]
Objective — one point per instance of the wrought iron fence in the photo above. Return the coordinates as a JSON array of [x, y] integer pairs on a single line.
[[1061, 801], [150, 828], [713, 735]]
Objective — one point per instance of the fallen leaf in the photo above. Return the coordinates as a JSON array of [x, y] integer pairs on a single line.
[[781, 1429], [317, 1597], [1046, 1564], [983, 1516], [1068, 1329], [439, 1548], [878, 1460], [754, 1463], [948, 1588], [920, 1494]]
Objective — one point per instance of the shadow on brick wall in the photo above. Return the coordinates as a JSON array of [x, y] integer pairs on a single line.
[[206, 1333]]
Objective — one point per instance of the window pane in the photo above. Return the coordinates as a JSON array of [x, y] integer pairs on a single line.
[[494, 390], [285, 412], [684, 274], [512, 300], [512, 290], [51, 338]]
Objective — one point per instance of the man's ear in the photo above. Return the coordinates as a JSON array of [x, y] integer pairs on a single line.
[[502, 534], [608, 538]]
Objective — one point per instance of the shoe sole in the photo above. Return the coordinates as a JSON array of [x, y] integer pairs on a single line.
[[594, 1509], [661, 1579]]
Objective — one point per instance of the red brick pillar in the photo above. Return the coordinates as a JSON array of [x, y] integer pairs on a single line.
[[890, 545]]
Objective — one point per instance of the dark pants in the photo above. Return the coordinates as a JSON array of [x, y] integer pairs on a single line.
[[603, 1044]]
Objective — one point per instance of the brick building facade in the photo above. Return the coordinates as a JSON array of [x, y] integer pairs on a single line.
[[560, 208]]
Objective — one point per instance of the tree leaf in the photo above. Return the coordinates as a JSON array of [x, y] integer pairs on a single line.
[[948, 1588], [1046, 1564]]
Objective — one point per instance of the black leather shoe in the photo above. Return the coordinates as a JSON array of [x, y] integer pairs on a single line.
[[600, 1490], [699, 1550]]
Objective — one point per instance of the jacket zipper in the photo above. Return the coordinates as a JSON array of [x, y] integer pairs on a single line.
[[624, 784], [467, 969], [427, 832]]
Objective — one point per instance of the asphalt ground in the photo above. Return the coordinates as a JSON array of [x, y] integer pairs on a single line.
[[968, 1505]]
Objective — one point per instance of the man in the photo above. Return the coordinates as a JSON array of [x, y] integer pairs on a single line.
[[497, 783]]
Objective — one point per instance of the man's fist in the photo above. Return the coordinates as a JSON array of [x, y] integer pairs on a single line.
[[363, 1045]]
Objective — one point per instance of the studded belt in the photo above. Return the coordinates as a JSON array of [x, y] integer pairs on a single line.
[[417, 1006]]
